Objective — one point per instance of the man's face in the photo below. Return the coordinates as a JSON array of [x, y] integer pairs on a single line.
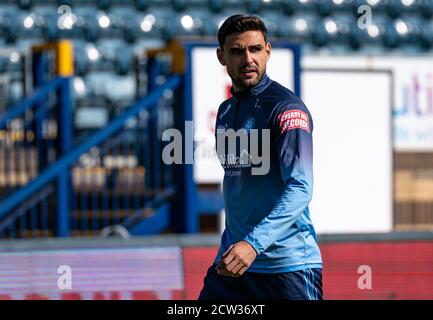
[[245, 55]]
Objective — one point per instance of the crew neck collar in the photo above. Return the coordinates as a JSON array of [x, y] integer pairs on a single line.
[[253, 91]]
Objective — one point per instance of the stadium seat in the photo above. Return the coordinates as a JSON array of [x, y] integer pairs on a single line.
[[427, 35], [328, 7], [148, 25], [340, 29], [80, 58], [300, 28], [233, 6], [124, 60], [125, 21], [320, 35], [25, 4], [379, 7], [409, 29], [103, 4], [159, 4], [216, 6], [10, 26], [185, 24], [397, 7], [187, 5], [264, 6], [303, 6], [4, 61], [376, 34], [141, 5], [426, 8], [155, 22], [210, 25], [51, 30], [272, 21]]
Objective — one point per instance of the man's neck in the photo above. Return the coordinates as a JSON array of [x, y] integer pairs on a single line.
[[238, 90]]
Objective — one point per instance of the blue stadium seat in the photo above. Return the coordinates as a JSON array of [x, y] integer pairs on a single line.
[[340, 29], [28, 25], [328, 7], [398, 7], [303, 6], [234, 6], [335, 30], [25, 4], [378, 6], [159, 4], [210, 25], [300, 28], [148, 25], [125, 22], [104, 4], [187, 5], [409, 29], [141, 5], [10, 26], [272, 21], [427, 35], [80, 58], [3, 63], [261, 7], [51, 30], [87, 22], [426, 8], [379, 33], [186, 23], [124, 60], [216, 5]]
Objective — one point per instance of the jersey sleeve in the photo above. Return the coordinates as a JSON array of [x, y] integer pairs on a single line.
[[292, 128]]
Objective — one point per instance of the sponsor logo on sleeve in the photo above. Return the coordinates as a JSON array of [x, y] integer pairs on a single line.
[[293, 119]]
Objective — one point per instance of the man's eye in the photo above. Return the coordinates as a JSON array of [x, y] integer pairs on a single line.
[[255, 49]]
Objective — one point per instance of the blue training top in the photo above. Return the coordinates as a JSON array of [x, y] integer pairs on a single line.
[[270, 211]]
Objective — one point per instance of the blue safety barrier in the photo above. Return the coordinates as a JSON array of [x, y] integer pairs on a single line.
[[128, 184]]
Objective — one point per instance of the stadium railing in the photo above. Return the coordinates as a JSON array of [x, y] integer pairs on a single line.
[[68, 193]]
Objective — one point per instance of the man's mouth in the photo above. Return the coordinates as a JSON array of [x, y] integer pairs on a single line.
[[248, 72]]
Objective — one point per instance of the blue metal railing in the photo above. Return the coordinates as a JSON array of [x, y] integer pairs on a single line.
[[30, 142], [81, 205]]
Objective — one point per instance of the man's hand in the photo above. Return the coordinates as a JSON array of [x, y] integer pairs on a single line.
[[236, 260]]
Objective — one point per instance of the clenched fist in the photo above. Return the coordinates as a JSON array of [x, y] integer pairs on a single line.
[[236, 260]]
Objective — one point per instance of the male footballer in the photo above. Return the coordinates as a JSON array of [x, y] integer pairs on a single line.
[[269, 246]]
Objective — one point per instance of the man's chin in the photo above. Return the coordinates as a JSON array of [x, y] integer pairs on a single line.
[[248, 83]]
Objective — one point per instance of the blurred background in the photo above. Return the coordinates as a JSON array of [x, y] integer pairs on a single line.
[[89, 209]]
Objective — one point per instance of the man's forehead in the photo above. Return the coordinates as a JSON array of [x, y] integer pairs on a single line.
[[245, 39]]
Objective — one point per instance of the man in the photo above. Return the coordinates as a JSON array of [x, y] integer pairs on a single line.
[[269, 246]]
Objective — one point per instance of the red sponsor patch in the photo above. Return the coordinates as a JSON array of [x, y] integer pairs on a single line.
[[293, 119]]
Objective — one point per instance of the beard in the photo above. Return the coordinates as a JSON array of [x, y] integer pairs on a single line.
[[243, 82]]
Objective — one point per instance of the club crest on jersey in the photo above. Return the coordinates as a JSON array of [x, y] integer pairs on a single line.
[[293, 119], [249, 124]]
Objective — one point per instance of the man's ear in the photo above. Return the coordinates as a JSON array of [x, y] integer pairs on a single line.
[[220, 55], [268, 49]]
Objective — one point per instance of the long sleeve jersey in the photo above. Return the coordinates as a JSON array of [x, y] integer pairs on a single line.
[[269, 209]]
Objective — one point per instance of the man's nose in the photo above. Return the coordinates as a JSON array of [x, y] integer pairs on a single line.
[[248, 57]]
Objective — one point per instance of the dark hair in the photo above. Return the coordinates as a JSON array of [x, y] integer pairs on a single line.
[[240, 23]]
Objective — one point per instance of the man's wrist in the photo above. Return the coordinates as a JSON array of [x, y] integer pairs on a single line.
[[253, 243]]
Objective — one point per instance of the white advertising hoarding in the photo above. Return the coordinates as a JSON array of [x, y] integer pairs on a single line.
[[413, 93], [352, 117]]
